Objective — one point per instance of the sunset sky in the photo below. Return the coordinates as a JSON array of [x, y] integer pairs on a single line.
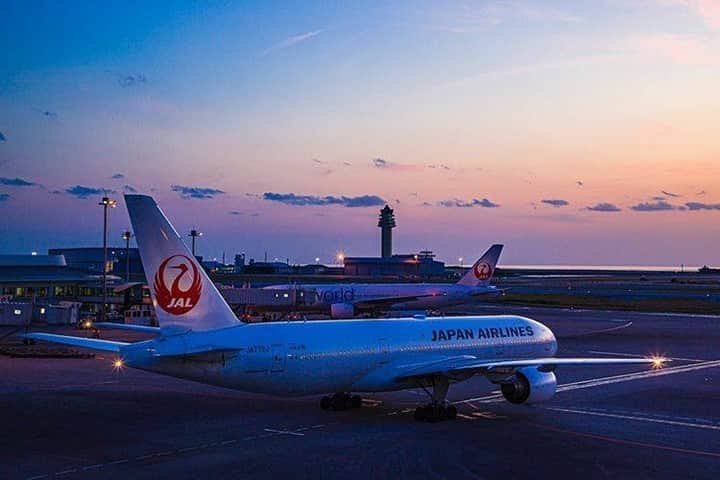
[[575, 132]]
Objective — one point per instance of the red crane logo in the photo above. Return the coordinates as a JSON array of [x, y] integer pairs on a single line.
[[483, 271], [185, 288]]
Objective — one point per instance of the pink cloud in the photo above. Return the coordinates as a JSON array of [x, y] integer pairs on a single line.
[[682, 49], [708, 10]]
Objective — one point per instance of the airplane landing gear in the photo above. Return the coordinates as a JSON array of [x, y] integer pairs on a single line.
[[438, 409], [340, 401]]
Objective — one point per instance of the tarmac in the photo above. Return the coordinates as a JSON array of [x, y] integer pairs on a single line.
[[80, 418]]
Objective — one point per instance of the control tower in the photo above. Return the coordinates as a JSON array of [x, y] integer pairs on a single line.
[[386, 222]]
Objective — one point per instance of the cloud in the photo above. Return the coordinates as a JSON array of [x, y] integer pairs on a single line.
[[485, 203], [196, 192], [694, 206], [79, 191], [313, 200], [708, 10], [4, 197], [383, 164], [46, 113], [16, 182], [294, 40], [118, 176], [477, 18], [684, 49], [556, 202], [129, 189], [604, 207], [127, 81], [2, 137], [658, 206], [670, 194]]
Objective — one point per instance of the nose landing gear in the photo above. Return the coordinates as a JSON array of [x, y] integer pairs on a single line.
[[341, 401]]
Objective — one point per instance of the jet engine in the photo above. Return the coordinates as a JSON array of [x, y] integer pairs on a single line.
[[342, 310], [529, 385]]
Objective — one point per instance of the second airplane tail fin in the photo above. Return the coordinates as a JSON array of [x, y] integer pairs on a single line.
[[482, 272], [183, 295]]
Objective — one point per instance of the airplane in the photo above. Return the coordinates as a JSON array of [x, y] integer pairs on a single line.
[[345, 300], [199, 338]]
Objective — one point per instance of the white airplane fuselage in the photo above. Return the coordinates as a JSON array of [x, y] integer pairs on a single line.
[[433, 295], [303, 358]]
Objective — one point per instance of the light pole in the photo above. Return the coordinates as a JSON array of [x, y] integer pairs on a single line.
[[105, 202], [127, 235], [194, 234]]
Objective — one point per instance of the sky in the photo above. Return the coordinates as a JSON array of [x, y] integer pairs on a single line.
[[574, 132]]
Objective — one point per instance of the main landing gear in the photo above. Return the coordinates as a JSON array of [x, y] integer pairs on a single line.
[[340, 401], [438, 409]]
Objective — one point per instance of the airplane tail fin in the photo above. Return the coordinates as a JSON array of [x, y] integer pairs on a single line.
[[183, 295], [482, 272]]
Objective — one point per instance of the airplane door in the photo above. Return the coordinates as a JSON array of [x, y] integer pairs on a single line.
[[277, 359]]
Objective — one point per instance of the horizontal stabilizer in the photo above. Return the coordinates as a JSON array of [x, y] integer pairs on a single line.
[[93, 343], [125, 326]]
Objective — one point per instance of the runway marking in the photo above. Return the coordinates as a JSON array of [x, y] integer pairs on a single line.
[[92, 467], [604, 330], [285, 432], [37, 477], [637, 376], [596, 382], [644, 356], [677, 423], [66, 472], [629, 442]]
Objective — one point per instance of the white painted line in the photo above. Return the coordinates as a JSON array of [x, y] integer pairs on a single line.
[[37, 477], [118, 462], [91, 467], [596, 382], [645, 356], [285, 432], [638, 376], [65, 472], [604, 330], [635, 418]]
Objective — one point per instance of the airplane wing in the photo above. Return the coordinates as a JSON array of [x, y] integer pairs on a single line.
[[384, 301], [472, 365], [127, 326], [93, 343]]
